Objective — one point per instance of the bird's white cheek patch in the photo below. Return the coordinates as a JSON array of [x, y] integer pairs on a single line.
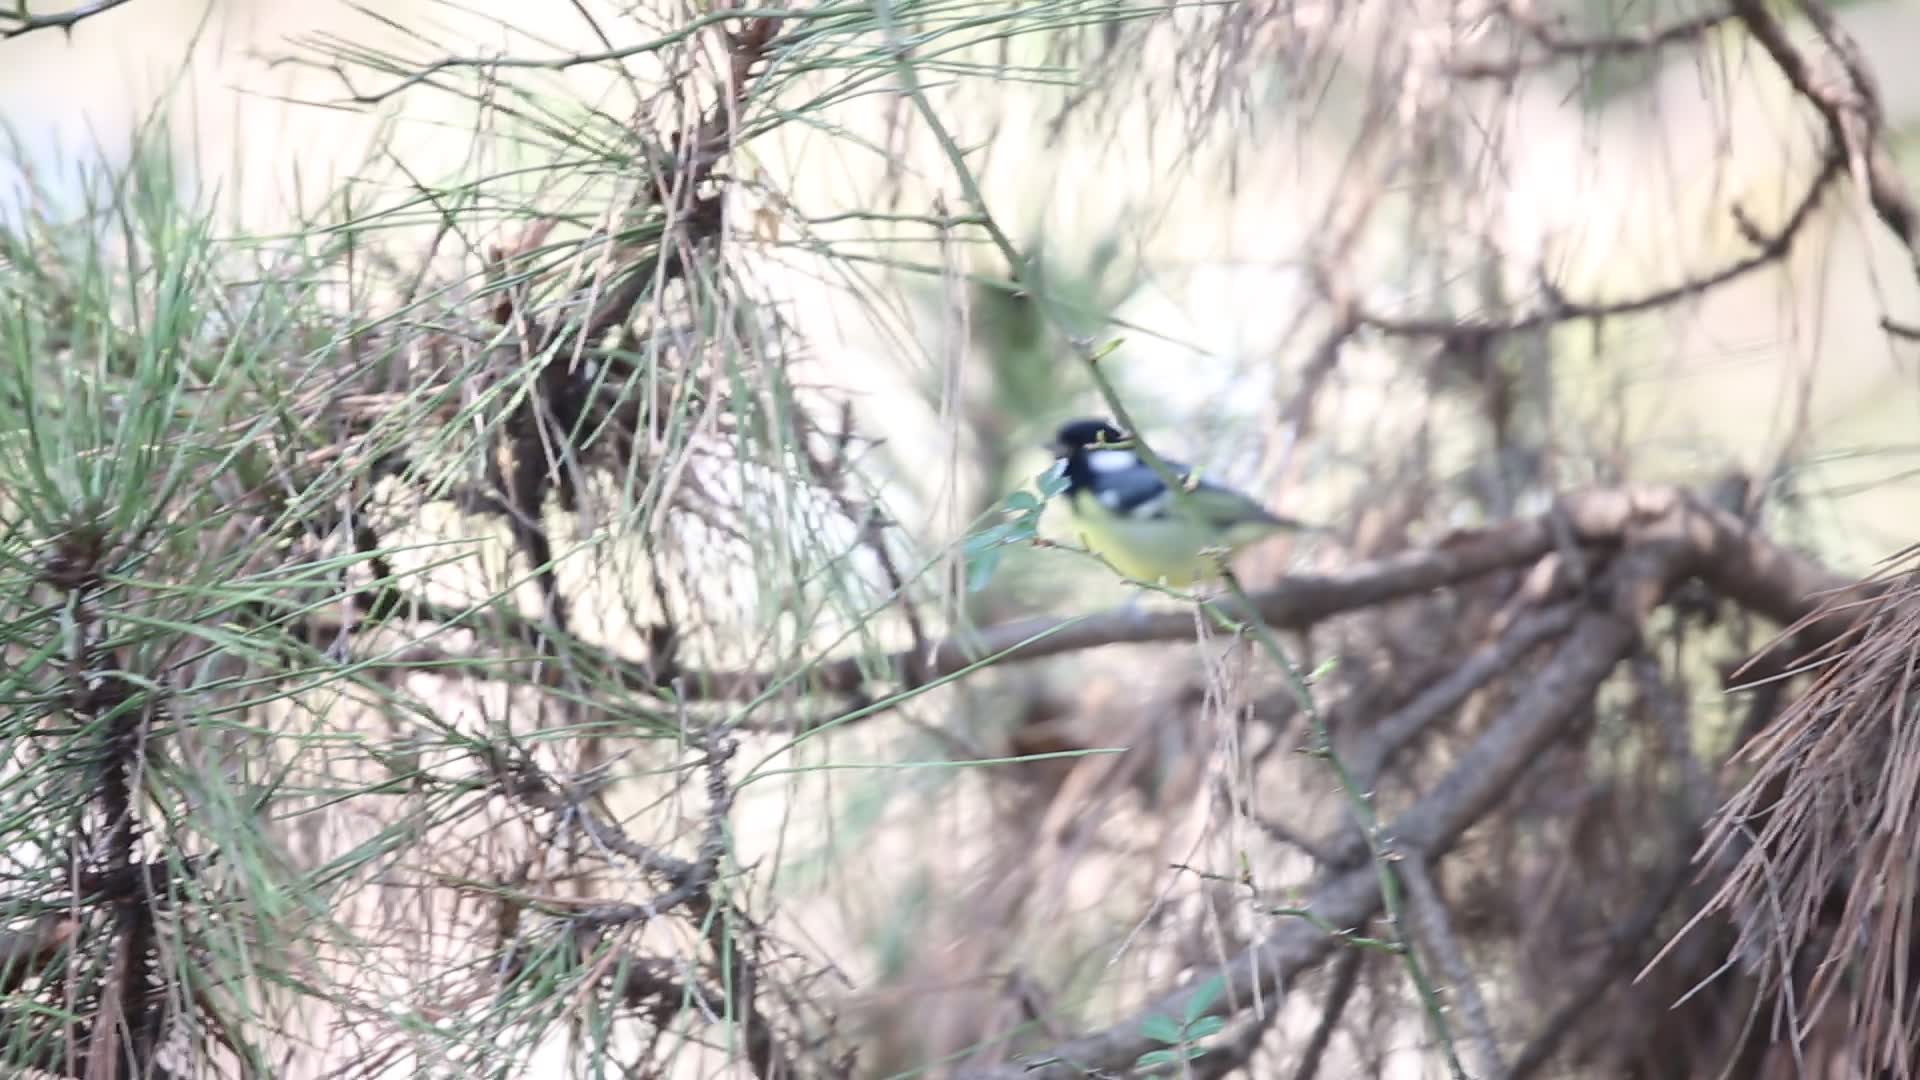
[[1108, 461]]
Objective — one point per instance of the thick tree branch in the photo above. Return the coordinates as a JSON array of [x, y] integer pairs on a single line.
[[1733, 558], [1737, 561], [1372, 752]]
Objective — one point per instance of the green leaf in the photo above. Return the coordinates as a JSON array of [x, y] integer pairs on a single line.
[[1155, 1058], [980, 568], [1022, 502], [1204, 1027], [1161, 1028], [987, 539], [1203, 998], [1053, 481]]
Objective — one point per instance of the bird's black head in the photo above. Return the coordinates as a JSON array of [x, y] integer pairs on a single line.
[[1081, 434], [1072, 443]]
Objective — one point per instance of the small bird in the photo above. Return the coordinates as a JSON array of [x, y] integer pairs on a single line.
[[1125, 514]]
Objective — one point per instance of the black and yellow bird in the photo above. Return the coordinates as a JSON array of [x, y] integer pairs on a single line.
[[1126, 514]]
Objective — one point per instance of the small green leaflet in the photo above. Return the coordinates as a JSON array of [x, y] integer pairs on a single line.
[[1156, 1058], [1015, 521], [1182, 1036], [1203, 998], [1161, 1028]]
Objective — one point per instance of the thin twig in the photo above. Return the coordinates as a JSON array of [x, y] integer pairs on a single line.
[[1370, 754], [1853, 113], [1236, 1051], [15, 24], [1556, 46], [1437, 937], [1624, 944], [1346, 976], [1286, 834], [423, 74], [1559, 308], [525, 782]]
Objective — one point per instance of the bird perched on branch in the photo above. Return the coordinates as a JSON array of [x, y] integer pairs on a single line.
[[1126, 514]]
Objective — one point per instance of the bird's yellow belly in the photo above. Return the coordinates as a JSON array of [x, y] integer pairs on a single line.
[[1172, 548]]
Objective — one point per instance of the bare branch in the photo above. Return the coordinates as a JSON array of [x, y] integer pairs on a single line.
[[1437, 937], [1854, 116], [1283, 833], [1346, 976], [1736, 560], [1559, 308], [1371, 755], [526, 783], [1557, 46], [1235, 1051], [1854, 119], [422, 74], [18, 23], [1624, 945]]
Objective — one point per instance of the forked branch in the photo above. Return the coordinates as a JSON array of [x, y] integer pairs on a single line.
[[1659, 539]]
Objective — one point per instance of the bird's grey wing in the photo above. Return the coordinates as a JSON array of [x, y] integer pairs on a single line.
[[1223, 506], [1136, 491]]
